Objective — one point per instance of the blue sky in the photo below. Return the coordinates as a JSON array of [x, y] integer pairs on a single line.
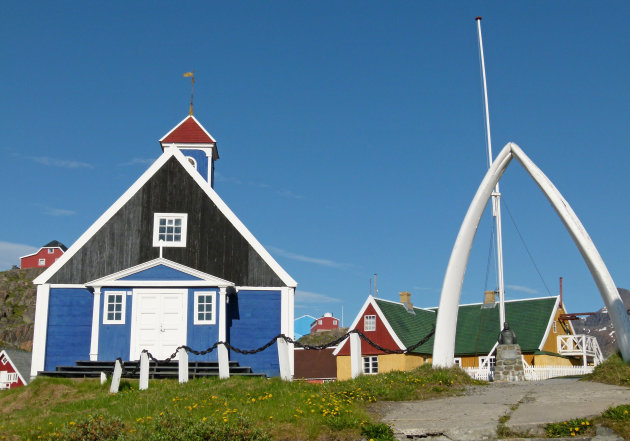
[[351, 134]]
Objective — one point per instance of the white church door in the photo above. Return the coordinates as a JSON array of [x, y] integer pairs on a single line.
[[159, 321]]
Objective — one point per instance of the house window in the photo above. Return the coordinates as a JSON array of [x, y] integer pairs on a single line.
[[369, 323], [487, 362], [4, 360], [334, 322], [370, 364], [115, 303], [319, 322], [169, 229], [458, 361], [205, 310], [51, 250], [555, 328], [192, 161], [41, 262]]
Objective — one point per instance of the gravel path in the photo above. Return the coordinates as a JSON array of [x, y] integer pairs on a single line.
[[529, 405]]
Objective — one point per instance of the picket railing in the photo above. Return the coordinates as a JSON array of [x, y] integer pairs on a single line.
[[585, 346], [533, 373]]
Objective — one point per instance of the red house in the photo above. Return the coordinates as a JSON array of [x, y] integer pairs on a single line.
[[45, 257], [325, 323], [15, 367]]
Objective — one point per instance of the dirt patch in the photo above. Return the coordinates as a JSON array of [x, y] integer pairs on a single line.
[[40, 397]]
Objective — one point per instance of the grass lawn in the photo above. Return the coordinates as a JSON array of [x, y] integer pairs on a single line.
[[614, 371], [207, 409]]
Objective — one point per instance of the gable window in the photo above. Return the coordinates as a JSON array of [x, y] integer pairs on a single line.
[[4, 360], [369, 323], [169, 229], [115, 306], [41, 262], [51, 250], [370, 364], [192, 161], [555, 328], [205, 309]]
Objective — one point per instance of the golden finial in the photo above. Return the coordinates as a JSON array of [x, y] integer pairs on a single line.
[[192, 78]]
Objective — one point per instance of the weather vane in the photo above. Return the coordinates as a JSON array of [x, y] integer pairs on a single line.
[[192, 89]]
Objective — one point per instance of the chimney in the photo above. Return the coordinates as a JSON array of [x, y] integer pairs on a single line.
[[490, 298], [405, 299]]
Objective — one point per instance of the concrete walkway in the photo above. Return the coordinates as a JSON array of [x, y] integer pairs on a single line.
[[529, 405]]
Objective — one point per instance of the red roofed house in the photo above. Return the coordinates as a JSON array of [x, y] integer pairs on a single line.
[[45, 257], [15, 366], [325, 323]]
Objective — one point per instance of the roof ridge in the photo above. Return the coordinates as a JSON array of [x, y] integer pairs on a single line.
[[400, 303]]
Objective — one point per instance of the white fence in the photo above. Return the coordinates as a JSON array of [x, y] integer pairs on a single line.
[[533, 373]]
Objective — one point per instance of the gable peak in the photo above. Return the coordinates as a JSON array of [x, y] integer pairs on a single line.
[[188, 131]]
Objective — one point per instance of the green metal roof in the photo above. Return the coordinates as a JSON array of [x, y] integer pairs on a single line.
[[409, 327], [477, 326]]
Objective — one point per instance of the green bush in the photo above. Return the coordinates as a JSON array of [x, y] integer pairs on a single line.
[[176, 428], [377, 432], [619, 413], [92, 428], [576, 426]]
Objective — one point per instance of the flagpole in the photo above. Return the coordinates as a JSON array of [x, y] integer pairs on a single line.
[[496, 194]]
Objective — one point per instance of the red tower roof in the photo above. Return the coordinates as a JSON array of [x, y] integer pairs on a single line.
[[189, 131]]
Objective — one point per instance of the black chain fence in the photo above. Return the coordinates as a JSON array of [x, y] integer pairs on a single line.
[[136, 365]]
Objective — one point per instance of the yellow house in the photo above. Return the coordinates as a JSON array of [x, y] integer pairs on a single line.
[[545, 339]]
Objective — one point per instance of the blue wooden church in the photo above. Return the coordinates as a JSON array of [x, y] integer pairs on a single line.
[[167, 264]]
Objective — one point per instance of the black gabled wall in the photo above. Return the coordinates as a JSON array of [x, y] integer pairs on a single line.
[[213, 244]]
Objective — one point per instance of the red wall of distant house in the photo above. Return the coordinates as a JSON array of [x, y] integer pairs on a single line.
[[328, 323], [33, 261], [380, 336], [10, 369]]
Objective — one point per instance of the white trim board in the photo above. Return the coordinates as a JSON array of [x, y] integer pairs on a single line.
[[206, 279], [370, 301], [144, 178], [549, 323]]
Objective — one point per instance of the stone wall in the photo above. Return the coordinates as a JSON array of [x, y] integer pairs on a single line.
[[509, 365]]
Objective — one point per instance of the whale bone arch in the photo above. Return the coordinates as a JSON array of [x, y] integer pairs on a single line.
[[446, 324]]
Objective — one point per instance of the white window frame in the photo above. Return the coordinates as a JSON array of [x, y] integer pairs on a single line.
[[369, 323], [458, 361], [370, 364], [4, 360], [51, 250], [192, 161], [123, 311], [41, 262], [156, 229], [489, 362], [213, 320]]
